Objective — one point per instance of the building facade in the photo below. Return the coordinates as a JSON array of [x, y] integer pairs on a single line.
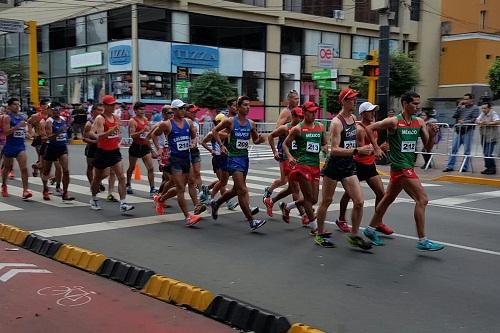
[[148, 50], [470, 44]]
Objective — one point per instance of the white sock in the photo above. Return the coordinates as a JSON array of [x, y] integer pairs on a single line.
[[422, 239], [122, 202], [291, 205], [313, 225]]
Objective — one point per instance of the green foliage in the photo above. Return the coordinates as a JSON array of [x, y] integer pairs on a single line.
[[334, 106], [494, 77], [211, 90], [403, 76]]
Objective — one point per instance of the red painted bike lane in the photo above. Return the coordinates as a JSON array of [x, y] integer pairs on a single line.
[[38, 294]]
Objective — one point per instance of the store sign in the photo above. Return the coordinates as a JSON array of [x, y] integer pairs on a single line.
[[325, 55], [120, 55], [4, 83], [328, 85], [195, 56], [86, 59], [11, 25], [324, 74]]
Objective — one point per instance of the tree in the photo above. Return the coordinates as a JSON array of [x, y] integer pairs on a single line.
[[211, 90], [494, 78], [403, 76]]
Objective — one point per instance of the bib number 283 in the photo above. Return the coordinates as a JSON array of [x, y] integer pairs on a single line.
[[312, 147]]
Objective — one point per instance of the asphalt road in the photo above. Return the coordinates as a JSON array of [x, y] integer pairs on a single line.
[[393, 288]]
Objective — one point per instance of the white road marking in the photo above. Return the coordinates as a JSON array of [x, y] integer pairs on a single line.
[[460, 199], [56, 201], [5, 207]]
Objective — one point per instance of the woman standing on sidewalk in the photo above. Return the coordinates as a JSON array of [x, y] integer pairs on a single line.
[[488, 122]]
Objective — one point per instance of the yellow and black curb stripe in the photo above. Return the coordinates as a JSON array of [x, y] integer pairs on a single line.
[[219, 307], [469, 180]]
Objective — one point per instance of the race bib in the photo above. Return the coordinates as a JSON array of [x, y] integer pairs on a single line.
[[113, 134], [61, 137], [182, 145], [241, 144], [294, 145], [408, 146], [351, 144], [20, 133], [312, 147]]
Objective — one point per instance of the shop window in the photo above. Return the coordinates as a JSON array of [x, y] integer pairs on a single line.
[[360, 46], [80, 31], [259, 3], [374, 44], [76, 85], [154, 23], [120, 23], [59, 90], [236, 83], [253, 86], [97, 28], [96, 87], [156, 86], [394, 45], [25, 67], [58, 63], [313, 7], [43, 65], [25, 43], [2, 46], [43, 39], [291, 40], [11, 45], [286, 87], [62, 34], [332, 38], [216, 31], [311, 40], [121, 85]]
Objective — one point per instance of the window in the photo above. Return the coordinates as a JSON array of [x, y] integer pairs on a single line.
[[374, 44], [154, 23], [313, 7], [415, 10], [2, 46], [332, 38], [311, 40], [96, 87], [104, 49], [260, 3], [25, 43], [62, 34], [43, 39], [120, 23], [222, 32], [75, 89], [58, 63], [59, 90], [73, 52], [482, 20], [360, 47], [80, 31], [253, 86], [362, 12], [97, 28], [43, 65], [12, 45], [291, 40]]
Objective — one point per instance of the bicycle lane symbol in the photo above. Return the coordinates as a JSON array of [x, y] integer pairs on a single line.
[[70, 296]]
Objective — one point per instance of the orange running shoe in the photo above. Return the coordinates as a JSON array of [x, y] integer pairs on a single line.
[[269, 206], [158, 205], [46, 196], [27, 194], [192, 220]]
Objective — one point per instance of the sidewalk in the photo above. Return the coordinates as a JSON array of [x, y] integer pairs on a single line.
[[439, 162]]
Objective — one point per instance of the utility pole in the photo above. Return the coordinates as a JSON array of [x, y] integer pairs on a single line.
[[136, 83], [33, 58], [383, 79]]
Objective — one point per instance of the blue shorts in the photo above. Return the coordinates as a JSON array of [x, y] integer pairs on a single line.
[[237, 163], [219, 162], [12, 151]]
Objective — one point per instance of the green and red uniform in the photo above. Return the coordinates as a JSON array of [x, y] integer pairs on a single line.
[[309, 144], [402, 145]]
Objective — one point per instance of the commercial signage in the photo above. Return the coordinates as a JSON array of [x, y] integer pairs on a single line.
[[4, 83], [324, 74], [86, 59], [195, 56], [328, 85], [11, 25], [325, 55], [120, 55]]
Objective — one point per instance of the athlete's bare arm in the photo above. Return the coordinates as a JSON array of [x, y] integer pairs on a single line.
[[284, 117], [86, 133], [225, 124], [324, 140], [98, 127], [280, 131], [194, 133], [294, 132], [426, 135], [389, 124], [256, 137], [132, 127]]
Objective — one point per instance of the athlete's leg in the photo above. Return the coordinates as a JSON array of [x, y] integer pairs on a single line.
[[353, 189], [63, 161], [131, 167], [90, 169], [111, 181], [240, 187], [344, 201], [148, 163], [392, 192], [22, 161], [329, 186], [122, 189], [7, 166], [279, 181], [413, 187], [306, 187], [180, 180], [377, 187]]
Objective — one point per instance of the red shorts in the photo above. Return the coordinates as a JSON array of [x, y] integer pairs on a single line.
[[408, 173], [308, 172], [286, 167]]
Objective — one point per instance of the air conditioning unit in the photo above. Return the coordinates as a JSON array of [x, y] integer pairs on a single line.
[[338, 14]]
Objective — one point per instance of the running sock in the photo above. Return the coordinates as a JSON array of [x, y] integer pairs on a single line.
[[122, 202], [291, 205], [313, 224], [94, 198], [371, 229], [422, 239]]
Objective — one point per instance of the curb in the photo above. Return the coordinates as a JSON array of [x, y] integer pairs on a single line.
[[219, 307], [468, 180]]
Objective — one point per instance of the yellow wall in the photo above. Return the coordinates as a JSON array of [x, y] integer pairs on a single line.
[[464, 61], [465, 15]]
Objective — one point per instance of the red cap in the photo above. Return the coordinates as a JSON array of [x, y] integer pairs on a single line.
[[108, 100], [297, 111], [347, 93], [193, 108], [310, 106]]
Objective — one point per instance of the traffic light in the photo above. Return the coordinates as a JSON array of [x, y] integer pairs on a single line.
[[370, 70], [42, 82]]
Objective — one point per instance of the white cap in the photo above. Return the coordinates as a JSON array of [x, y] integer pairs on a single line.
[[177, 103], [367, 106]]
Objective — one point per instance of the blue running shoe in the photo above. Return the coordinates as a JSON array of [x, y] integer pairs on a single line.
[[256, 224], [428, 245], [129, 190], [373, 237], [215, 209]]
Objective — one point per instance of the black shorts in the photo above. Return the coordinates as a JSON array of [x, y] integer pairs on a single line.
[[339, 168], [365, 172], [178, 165], [43, 148], [37, 141], [219, 162], [138, 150], [90, 150], [54, 152], [106, 158], [195, 155]]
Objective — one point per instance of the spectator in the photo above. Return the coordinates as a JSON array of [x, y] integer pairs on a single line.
[[124, 114], [488, 122], [465, 116], [157, 117], [207, 121], [429, 116], [79, 121]]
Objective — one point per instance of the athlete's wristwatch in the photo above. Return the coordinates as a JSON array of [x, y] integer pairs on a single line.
[[355, 151]]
